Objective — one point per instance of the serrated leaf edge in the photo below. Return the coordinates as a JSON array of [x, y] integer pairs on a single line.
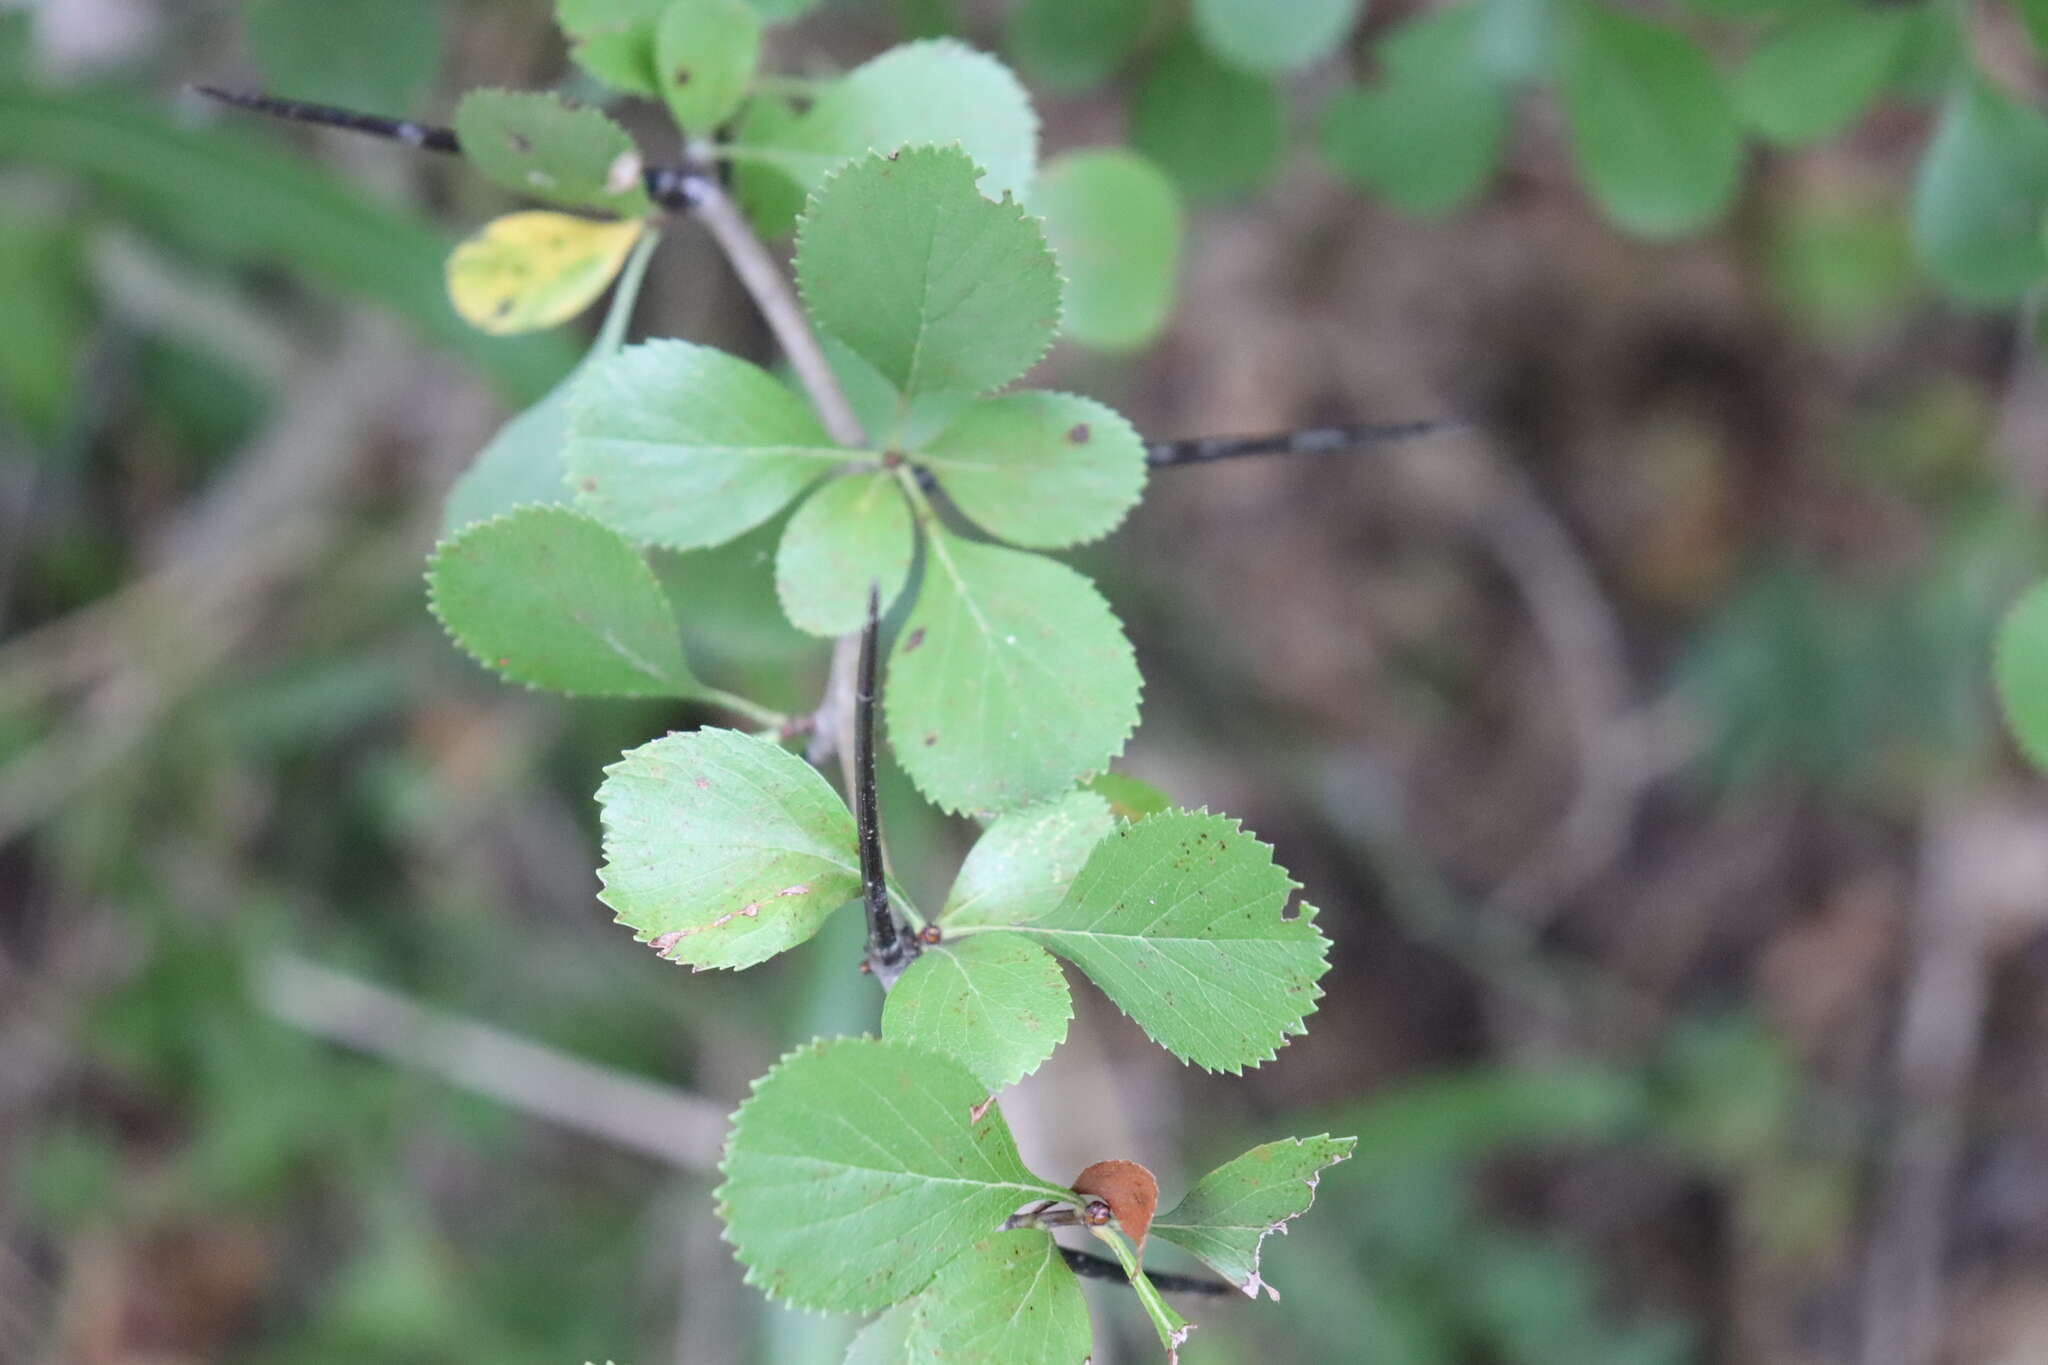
[[1123, 741], [1009, 200], [724, 1209], [450, 542], [1314, 1179], [1306, 913], [605, 858], [1123, 514]]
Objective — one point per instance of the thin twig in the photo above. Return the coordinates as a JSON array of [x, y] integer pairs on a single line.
[[889, 949], [1090, 1266], [672, 187], [762, 277], [636, 1114], [1306, 441], [425, 136]]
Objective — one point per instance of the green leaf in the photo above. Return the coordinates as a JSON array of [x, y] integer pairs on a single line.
[[614, 40], [1041, 469], [521, 466], [1114, 221], [940, 91], [683, 445], [1173, 1329], [2021, 668], [1521, 41], [1270, 36], [1653, 129], [1129, 798], [2034, 17], [997, 1004], [550, 598], [1020, 868], [1429, 135], [1217, 130], [771, 198], [722, 850], [542, 146], [782, 11], [875, 1150], [1071, 46], [1981, 195], [1179, 919], [1227, 1216], [1009, 1300], [1820, 70], [852, 532], [902, 259], [706, 53], [890, 422], [888, 1340], [1010, 681], [367, 54]]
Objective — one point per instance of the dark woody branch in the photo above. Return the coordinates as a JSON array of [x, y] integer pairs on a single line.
[[672, 187], [1306, 441], [682, 187], [890, 950]]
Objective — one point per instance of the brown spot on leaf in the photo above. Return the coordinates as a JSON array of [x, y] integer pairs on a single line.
[[930, 934], [1129, 1190], [974, 1115], [703, 784], [913, 640], [662, 943], [931, 739], [590, 485], [680, 76], [521, 143], [1079, 434]]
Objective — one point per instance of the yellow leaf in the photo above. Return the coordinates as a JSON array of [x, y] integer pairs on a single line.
[[531, 270]]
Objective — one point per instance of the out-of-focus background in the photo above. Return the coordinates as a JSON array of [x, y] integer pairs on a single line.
[[1690, 994]]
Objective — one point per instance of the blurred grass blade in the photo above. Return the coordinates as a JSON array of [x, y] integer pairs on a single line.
[[282, 211]]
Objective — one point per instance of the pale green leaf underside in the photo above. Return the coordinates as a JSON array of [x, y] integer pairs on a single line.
[[1274, 35], [1023, 863], [1041, 469], [857, 1169], [721, 849], [705, 54], [997, 1004], [550, 598], [686, 446], [937, 92], [1231, 1211], [1653, 129], [522, 466], [1981, 194], [938, 288], [1114, 221], [1011, 680], [1007, 1301], [537, 144], [853, 532], [1179, 920]]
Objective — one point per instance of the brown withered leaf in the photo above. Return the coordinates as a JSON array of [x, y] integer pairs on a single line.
[[1130, 1191]]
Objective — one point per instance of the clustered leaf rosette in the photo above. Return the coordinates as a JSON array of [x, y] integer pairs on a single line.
[[1011, 678]]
